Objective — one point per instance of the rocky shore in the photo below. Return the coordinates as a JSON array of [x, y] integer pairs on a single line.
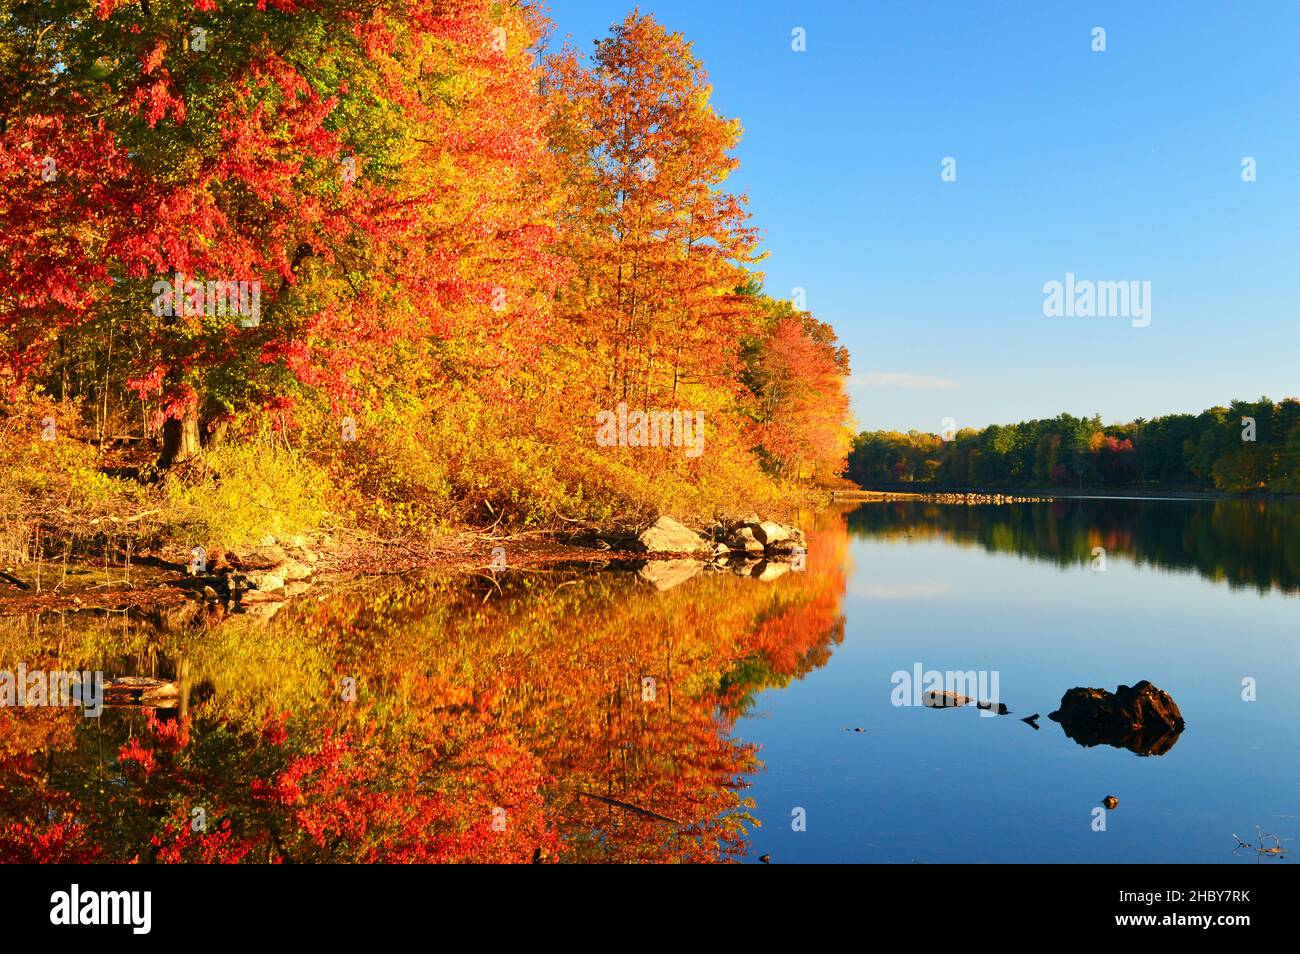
[[753, 547]]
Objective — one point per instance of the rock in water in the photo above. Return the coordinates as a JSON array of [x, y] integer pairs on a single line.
[[934, 699], [669, 536], [1142, 718], [769, 532], [743, 539]]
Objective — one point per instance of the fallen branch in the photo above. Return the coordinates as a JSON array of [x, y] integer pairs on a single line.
[[632, 808]]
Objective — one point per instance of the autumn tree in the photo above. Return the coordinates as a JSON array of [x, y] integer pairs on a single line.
[[797, 371], [362, 168], [659, 245]]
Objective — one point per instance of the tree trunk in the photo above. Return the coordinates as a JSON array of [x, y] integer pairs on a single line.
[[180, 439]]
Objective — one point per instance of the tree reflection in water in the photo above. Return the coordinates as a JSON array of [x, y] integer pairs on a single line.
[[563, 715]]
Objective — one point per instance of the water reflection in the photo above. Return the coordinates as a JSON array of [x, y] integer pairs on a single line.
[[1243, 543], [571, 715], [539, 716]]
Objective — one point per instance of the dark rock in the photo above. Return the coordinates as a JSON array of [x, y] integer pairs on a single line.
[[1141, 718], [1110, 801]]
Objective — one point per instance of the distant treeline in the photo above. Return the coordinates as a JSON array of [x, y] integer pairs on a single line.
[[1230, 541], [1248, 446]]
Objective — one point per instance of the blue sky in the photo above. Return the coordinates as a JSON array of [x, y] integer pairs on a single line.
[[1118, 165]]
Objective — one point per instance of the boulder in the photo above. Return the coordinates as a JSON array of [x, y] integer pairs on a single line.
[[669, 536], [258, 558], [292, 571], [262, 611], [787, 546], [769, 533], [1142, 718], [265, 582], [743, 538]]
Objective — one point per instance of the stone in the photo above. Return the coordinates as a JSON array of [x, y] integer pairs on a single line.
[[742, 538], [1143, 718], [263, 611], [292, 570], [266, 582], [784, 546], [669, 536], [769, 533], [259, 558]]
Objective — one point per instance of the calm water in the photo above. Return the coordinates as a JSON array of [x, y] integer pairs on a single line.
[[576, 715]]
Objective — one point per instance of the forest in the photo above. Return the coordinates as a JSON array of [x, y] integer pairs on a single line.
[[265, 263], [1249, 446]]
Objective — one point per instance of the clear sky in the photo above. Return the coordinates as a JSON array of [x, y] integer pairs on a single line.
[[1118, 165]]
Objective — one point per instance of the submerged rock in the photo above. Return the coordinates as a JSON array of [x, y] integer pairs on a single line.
[[1142, 718]]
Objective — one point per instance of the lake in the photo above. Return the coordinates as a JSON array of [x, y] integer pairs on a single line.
[[564, 713]]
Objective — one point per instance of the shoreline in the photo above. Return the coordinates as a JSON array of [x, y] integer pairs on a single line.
[[868, 494], [277, 570], [156, 582]]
